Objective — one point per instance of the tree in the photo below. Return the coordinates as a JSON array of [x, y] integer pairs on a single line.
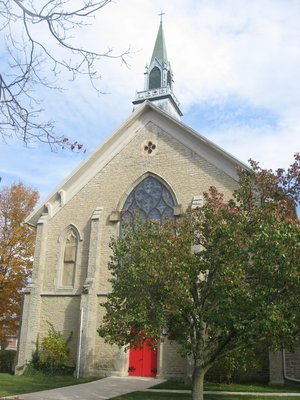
[[220, 280], [39, 46], [16, 252]]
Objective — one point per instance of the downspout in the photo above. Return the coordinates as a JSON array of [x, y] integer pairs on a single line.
[[79, 344], [284, 369]]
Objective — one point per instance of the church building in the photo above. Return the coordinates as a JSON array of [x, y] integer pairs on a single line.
[[152, 163]]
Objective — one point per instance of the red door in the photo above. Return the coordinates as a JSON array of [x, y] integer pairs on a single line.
[[143, 361]]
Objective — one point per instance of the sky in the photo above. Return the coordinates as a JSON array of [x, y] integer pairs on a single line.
[[236, 67]]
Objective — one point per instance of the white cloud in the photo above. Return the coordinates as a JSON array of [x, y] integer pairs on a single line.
[[247, 50]]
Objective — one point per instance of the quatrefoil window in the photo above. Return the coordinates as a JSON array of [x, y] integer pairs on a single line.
[[150, 147]]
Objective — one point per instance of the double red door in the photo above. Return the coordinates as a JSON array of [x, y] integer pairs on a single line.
[[143, 361]]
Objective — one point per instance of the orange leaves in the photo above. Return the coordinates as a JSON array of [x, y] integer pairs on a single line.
[[16, 252]]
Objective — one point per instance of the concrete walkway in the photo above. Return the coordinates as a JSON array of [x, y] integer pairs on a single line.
[[106, 388]]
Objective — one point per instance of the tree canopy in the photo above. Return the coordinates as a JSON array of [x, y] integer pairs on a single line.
[[16, 253], [39, 46], [220, 279]]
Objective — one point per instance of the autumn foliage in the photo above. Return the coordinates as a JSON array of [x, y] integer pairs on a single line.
[[220, 280], [16, 252]]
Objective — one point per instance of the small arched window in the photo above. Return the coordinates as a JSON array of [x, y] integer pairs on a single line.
[[155, 78], [150, 199], [169, 79], [69, 258]]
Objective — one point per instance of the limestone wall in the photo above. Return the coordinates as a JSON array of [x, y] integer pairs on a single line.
[[292, 363], [63, 313], [186, 173]]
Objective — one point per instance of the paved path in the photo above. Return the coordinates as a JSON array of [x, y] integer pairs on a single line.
[[106, 388]]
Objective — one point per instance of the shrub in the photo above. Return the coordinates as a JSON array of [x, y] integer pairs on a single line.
[[31, 370], [52, 356], [249, 365], [33, 367], [7, 359]]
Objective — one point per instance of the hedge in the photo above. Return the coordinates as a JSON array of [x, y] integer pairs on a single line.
[[7, 358]]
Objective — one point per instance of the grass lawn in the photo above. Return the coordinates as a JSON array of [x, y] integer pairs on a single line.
[[289, 387], [11, 385], [171, 396], [234, 387]]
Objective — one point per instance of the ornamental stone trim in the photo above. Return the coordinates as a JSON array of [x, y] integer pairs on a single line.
[[114, 216]]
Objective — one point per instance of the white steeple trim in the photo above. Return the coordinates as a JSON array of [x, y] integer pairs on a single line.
[[162, 94]]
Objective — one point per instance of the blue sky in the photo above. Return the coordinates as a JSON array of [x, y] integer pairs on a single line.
[[236, 68]]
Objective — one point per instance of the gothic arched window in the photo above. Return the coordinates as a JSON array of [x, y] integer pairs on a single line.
[[155, 78], [69, 258], [150, 199]]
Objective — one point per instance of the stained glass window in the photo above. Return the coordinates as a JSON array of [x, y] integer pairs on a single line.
[[150, 199]]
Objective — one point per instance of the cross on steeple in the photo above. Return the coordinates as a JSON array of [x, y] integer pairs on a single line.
[[160, 15]]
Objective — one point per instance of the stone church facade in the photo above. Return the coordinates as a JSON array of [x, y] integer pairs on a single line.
[[151, 149]]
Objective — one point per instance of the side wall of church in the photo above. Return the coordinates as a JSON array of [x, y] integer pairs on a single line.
[[62, 313], [292, 364], [186, 173]]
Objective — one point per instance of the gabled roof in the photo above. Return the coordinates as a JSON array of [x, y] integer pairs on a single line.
[[105, 152], [160, 50]]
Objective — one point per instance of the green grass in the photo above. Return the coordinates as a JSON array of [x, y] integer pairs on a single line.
[[153, 396], [234, 387], [12, 385], [289, 387], [171, 396]]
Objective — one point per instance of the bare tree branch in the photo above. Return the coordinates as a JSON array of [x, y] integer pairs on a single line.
[[33, 64]]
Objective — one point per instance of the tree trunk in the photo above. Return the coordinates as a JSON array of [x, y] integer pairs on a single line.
[[198, 383]]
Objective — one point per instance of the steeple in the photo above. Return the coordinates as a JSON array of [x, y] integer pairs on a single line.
[[160, 51], [158, 82]]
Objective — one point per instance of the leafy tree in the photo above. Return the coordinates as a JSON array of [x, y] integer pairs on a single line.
[[16, 252], [39, 46], [221, 279]]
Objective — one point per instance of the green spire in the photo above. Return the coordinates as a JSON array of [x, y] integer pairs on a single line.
[[160, 51]]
